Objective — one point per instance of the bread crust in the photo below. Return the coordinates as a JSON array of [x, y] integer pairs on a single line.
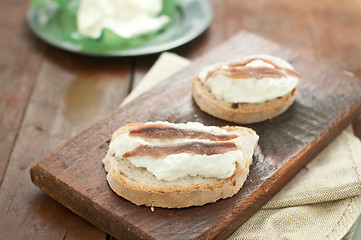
[[171, 194], [242, 113]]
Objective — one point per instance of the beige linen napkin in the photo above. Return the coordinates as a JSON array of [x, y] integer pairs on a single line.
[[321, 202]]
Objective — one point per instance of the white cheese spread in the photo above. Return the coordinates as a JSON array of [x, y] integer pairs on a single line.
[[126, 18], [250, 89], [179, 165]]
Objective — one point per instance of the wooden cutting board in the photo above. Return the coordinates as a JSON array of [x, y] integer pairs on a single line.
[[73, 174]]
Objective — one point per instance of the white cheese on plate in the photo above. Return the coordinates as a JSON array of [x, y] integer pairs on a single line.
[[126, 18]]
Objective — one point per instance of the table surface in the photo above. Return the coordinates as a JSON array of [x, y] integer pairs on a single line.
[[48, 95]]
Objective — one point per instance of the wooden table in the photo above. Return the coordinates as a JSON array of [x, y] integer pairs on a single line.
[[48, 95]]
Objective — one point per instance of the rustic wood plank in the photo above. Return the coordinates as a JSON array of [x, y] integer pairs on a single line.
[[336, 32], [334, 28], [71, 92], [20, 60], [287, 143], [325, 30], [284, 22], [212, 37], [263, 17]]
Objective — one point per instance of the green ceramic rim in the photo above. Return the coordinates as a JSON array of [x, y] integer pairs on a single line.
[[57, 27]]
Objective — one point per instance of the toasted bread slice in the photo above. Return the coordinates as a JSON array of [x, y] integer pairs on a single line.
[[141, 187], [242, 113], [250, 89]]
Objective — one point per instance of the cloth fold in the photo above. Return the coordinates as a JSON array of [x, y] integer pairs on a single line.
[[332, 175], [321, 202]]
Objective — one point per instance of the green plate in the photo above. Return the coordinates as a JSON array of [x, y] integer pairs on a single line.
[[56, 25]]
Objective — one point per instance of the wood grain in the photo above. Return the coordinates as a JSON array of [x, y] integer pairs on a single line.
[[17, 77], [68, 86], [325, 30], [73, 174]]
